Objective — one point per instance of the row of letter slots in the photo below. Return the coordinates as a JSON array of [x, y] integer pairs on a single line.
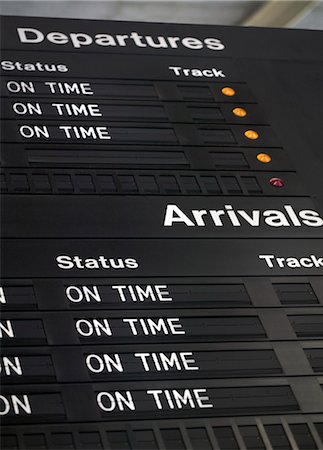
[[295, 433]]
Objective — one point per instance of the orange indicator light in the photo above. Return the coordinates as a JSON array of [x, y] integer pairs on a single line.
[[251, 134], [240, 112], [229, 92], [264, 158]]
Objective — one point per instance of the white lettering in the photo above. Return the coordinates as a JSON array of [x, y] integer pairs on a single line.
[[195, 398], [100, 363], [77, 294], [162, 361], [28, 108], [108, 401], [78, 40], [8, 365], [93, 327], [69, 88], [155, 326], [16, 403], [34, 131], [21, 86], [7, 329], [2, 296], [237, 218], [80, 132], [212, 72], [30, 35], [139, 293], [71, 109], [292, 262]]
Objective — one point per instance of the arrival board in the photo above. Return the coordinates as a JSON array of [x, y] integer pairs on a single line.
[[162, 246]]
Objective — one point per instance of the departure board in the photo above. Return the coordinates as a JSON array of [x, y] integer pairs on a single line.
[[162, 245]]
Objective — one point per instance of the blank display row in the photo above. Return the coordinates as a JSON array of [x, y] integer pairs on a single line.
[[247, 437], [117, 183]]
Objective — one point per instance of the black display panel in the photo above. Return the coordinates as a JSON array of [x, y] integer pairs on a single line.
[[161, 224]]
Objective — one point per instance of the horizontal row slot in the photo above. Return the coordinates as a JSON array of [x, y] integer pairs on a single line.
[[46, 364], [37, 331], [194, 157], [198, 437], [131, 133], [52, 402], [100, 182], [295, 294], [29, 296], [114, 111], [55, 364], [163, 158], [307, 326], [100, 327], [126, 90]]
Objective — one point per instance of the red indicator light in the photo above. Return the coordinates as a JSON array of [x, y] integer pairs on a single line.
[[277, 182]]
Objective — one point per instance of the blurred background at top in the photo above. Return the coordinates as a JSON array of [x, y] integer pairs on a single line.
[[272, 13]]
